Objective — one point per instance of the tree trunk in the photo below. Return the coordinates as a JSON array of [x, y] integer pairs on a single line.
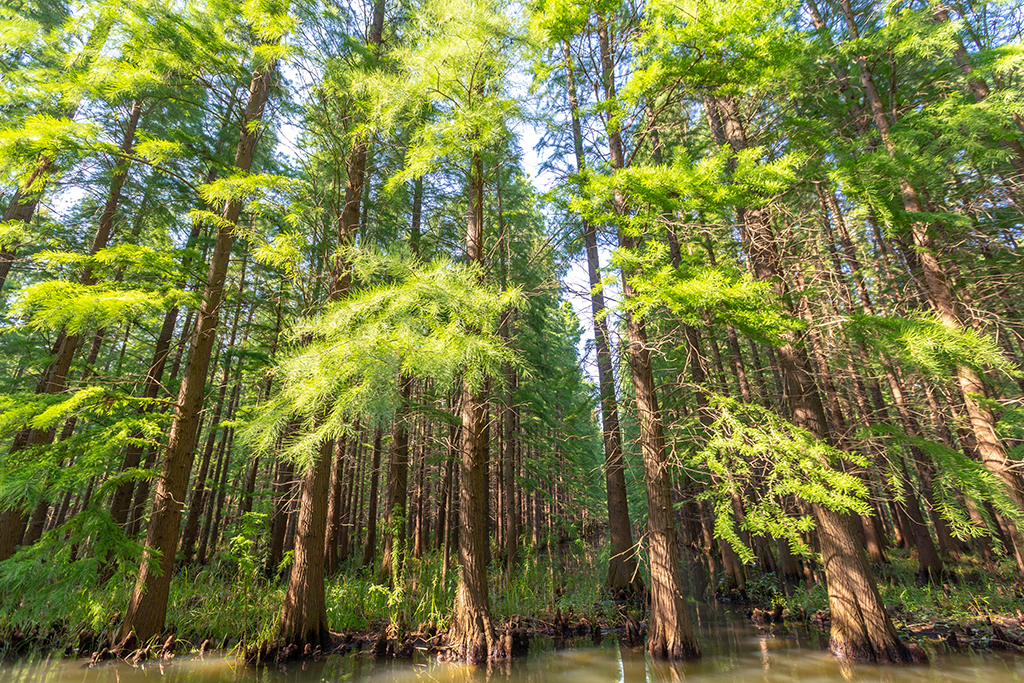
[[471, 636], [670, 634], [303, 618], [304, 612], [446, 486], [332, 542], [623, 576], [508, 500], [943, 302], [398, 491], [148, 607], [283, 485], [861, 629], [370, 544]]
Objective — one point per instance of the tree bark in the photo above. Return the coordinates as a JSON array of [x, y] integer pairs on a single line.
[[861, 629], [471, 636], [332, 541], [303, 618], [370, 544], [943, 302], [395, 540], [148, 607], [623, 576], [670, 634]]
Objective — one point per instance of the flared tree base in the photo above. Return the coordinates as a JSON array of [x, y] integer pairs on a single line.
[[674, 650], [473, 640], [883, 651]]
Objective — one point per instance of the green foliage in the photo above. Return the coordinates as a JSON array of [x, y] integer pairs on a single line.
[[451, 78], [651, 193], [256, 187], [955, 469], [12, 233], [923, 342], [716, 44], [435, 322], [56, 576], [61, 305], [695, 294], [766, 461], [970, 594], [109, 420], [807, 601], [58, 139], [571, 581]]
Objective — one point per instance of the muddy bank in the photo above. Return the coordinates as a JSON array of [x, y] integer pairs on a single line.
[[1002, 632]]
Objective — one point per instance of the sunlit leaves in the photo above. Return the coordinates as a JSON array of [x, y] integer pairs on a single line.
[[923, 342], [699, 294], [955, 469], [42, 136], [649, 192], [756, 456], [12, 233], [454, 72], [59, 304], [432, 322], [716, 45], [283, 251], [157, 151]]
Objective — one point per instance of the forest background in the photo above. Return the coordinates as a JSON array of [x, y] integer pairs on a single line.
[[287, 347]]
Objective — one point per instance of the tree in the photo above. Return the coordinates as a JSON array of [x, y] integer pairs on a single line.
[[560, 24], [148, 607]]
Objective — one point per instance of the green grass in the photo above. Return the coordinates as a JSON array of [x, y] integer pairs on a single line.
[[968, 593], [231, 599]]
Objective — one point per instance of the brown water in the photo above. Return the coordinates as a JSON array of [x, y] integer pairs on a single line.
[[734, 652]]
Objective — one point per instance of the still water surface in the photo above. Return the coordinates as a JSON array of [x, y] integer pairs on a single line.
[[734, 652]]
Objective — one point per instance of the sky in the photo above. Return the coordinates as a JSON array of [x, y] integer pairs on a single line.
[[576, 281]]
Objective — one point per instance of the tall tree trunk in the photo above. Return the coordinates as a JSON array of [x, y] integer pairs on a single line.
[[147, 609], [332, 541], [395, 540], [370, 543], [201, 495], [861, 629], [283, 485], [943, 302], [304, 614], [122, 501], [446, 486], [670, 635], [211, 539], [508, 500], [349, 515], [471, 635], [304, 617], [623, 576]]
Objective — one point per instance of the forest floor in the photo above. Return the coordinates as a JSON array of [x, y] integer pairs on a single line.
[[216, 608], [974, 607]]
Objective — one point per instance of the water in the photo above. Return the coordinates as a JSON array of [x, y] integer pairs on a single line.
[[734, 652]]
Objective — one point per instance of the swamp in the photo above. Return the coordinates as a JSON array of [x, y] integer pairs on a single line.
[[574, 339]]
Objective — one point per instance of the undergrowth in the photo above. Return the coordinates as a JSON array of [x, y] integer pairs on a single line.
[[967, 593], [230, 602]]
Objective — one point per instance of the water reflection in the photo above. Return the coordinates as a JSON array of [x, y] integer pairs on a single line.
[[734, 652]]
